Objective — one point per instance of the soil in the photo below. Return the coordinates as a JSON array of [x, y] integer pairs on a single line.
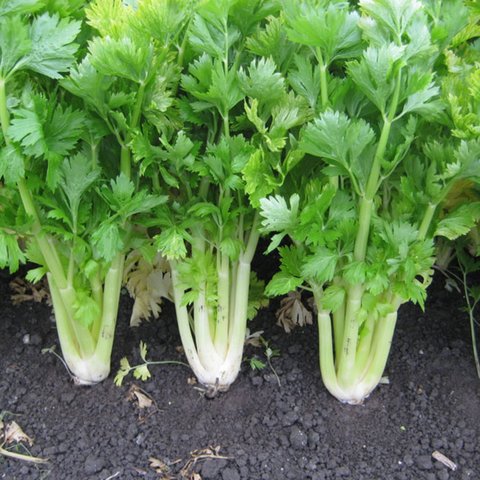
[[296, 431]]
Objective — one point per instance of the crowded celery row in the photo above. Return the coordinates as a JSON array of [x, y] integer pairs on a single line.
[[178, 132]]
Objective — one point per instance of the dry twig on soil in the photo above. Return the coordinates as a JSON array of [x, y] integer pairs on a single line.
[[12, 433]]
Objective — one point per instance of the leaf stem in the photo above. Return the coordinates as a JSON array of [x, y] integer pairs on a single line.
[[426, 221], [325, 345], [183, 321], [125, 162], [110, 301], [324, 95], [471, 317], [223, 306], [125, 154], [4, 116], [372, 184], [252, 239], [323, 79], [274, 371], [345, 359], [156, 362], [137, 110], [366, 202]]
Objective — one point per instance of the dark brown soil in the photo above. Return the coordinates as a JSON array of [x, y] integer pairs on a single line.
[[295, 432]]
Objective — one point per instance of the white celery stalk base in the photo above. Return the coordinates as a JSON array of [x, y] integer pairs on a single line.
[[87, 371], [215, 366], [219, 378], [367, 362], [87, 351]]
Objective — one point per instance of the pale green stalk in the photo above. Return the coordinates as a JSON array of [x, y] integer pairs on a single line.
[[239, 323], [379, 355], [223, 307], [323, 68], [338, 326], [365, 346], [183, 321], [346, 361], [426, 221], [65, 329], [125, 162], [347, 355], [97, 294], [203, 335], [4, 116], [323, 78], [233, 290], [111, 295], [326, 355], [239, 320], [215, 356], [86, 343], [126, 155]]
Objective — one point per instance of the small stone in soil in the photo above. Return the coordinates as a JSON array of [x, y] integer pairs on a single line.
[[289, 419], [33, 339], [437, 443], [132, 431], [270, 378], [294, 349], [83, 443], [469, 447], [244, 472], [211, 468], [298, 439], [342, 472], [263, 456], [443, 475], [230, 474], [50, 451], [94, 464], [424, 462], [313, 439], [283, 440], [67, 398]]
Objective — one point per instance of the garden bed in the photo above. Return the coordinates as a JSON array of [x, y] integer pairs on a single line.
[[296, 431]]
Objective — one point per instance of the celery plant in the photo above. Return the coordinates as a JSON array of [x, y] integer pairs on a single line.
[[208, 229], [462, 91], [76, 197], [362, 222]]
